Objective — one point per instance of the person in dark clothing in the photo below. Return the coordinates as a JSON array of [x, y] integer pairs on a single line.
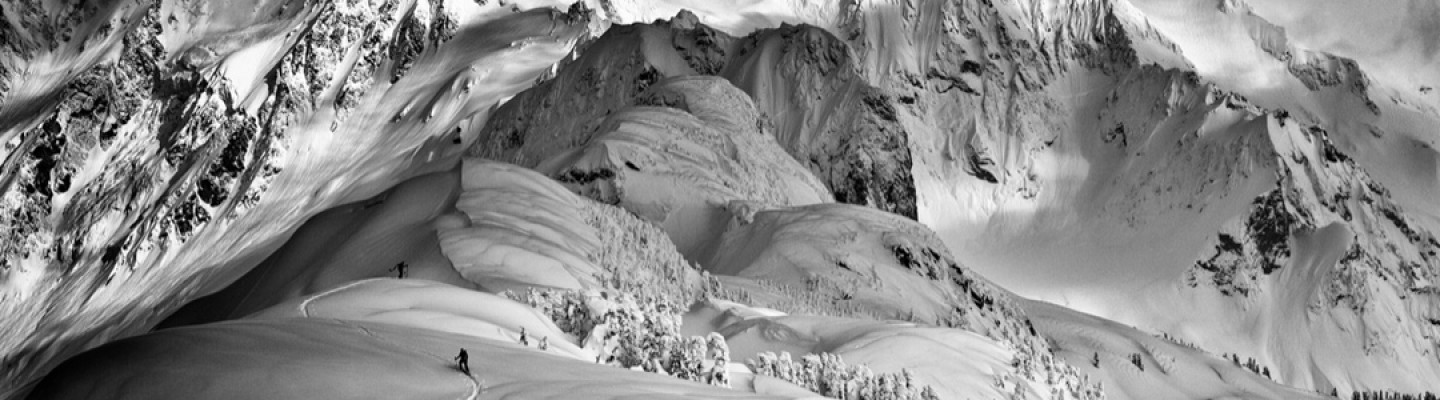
[[462, 362], [400, 269]]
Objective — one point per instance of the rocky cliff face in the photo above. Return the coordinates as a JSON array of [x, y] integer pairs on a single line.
[[850, 140], [1316, 70], [656, 148], [152, 130], [870, 165], [827, 115], [1007, 96], [1331, 243]]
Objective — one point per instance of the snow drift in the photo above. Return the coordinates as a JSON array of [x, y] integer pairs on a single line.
[[801, 177]]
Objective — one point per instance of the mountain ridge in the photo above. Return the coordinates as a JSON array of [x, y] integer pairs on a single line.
[[973, 119]]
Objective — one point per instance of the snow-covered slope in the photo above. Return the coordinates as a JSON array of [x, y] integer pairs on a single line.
[[1098, 183], [737, 225], [826, 115], [1327, 266], [959, 364], [498, 246], [841, 260], [1071, 152], [814, 248], [561, 182], [334, 358], [149, 155], [1136, 365], [680, 158]]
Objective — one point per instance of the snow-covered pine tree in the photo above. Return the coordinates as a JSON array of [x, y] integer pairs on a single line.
[[638, 333], [828, 375]]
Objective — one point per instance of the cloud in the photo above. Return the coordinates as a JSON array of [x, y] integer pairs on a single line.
[[1425, 18], [1394, 39]]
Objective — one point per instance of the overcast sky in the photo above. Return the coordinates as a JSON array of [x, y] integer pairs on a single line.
[[1370, 27], [1399, 38], [1395, 41]]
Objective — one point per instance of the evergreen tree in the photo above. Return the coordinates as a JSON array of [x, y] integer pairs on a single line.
[[638, 333], [826, 374]]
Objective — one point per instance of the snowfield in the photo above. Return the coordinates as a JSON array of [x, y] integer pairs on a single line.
[[889, 199], [309, 358]]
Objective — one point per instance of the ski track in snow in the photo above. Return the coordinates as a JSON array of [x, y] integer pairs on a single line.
[[304, 309], [638, 150], [305, 304], [469, 377]]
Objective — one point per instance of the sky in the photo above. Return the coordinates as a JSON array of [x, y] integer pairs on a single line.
[[1396, 41]]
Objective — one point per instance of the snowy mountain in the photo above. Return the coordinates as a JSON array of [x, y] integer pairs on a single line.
[[1029, 199]]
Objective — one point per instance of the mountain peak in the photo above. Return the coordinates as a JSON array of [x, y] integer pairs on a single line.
[[708, 199]]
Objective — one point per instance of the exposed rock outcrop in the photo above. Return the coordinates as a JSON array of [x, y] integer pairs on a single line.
[[827, 116], [165, 148], [157, 153]]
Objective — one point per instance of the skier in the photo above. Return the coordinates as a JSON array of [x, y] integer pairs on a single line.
[[462, 362], [400, 269]]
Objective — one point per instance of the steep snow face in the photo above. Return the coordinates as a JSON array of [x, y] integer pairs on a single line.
[[1122, 173], [737, 17], [601, 77], [1022, 182], [1383, 124], [826, 115], [516, 221], [507, 233], [147, 156], [356, 241], [849, 138], [1030, 40], [640, 150], [156, 152], [422, 322], [1068, 167], [1331, 251], [680, 164], [862, 262], [484, 226]]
